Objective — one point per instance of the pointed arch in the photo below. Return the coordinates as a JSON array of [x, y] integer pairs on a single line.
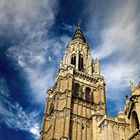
[[76, 89], [88, 93], [73, 59], [81, 62], [134, 121]]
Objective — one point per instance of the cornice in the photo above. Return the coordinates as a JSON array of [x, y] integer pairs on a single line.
[[134, 135], [91, 78], [107, 120]]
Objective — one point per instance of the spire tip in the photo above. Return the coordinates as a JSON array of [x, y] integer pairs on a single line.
[[78, 24]]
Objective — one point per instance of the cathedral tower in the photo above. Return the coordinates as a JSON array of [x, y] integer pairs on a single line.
[[77, 97]]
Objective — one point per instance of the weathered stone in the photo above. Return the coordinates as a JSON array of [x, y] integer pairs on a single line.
[[76, 105]]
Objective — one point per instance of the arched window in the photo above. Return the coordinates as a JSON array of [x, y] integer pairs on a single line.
[[73, 59], [134, 121], [76, 89], [88, 92], [81, 62]]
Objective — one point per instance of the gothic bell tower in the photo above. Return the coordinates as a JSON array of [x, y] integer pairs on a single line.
[[77, 97]]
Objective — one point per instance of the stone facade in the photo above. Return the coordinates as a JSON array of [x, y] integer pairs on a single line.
[[76, 104]]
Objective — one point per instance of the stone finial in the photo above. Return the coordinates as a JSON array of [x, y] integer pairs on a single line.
[[61, 63], [121, 111], [97, 66], [78, 24], [127, 99], [126, 104], [135, 90], [121, 114], [132, 88], [138, 85]]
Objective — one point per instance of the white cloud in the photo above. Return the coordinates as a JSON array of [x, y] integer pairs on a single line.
[[34, 130], [28, 16], [34, 54], [67, 27], [118, 74], [13, 115], [34, 61], [119, 46]]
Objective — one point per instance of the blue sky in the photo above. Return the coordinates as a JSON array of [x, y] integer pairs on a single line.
[[33, 37]]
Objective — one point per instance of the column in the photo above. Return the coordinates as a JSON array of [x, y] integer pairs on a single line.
[[77, 60], [94, 127]]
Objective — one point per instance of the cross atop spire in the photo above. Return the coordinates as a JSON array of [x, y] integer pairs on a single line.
[[78, 24]]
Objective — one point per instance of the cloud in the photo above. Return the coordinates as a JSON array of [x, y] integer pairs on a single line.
[[38, 61], [33, 56], [67, 27], [118, 48], [13, 115], [28, 16], [35, 53]]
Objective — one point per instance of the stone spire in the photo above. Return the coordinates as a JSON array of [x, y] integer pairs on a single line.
[[78, 34]]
